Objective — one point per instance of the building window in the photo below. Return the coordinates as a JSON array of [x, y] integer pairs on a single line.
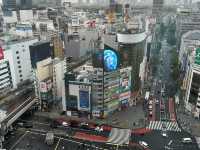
[[20, 75], [21, 80], [19, 67], [20, 71], [18, 62], [17, 57], [17, 52]]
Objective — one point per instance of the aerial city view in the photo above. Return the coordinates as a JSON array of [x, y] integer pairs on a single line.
[[99, 74]]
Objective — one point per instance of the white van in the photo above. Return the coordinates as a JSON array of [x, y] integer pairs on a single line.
[[186, 140]]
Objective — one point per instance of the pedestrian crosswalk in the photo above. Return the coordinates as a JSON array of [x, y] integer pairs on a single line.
[[161, 125], [119, 136]]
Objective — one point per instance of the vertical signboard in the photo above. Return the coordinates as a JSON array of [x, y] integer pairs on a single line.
[[197, 56], [1, 53], [84, 100]]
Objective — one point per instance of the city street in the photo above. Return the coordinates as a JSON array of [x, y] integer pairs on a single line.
[[172, 142]]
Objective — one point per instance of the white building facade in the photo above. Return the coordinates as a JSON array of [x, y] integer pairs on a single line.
[[18, 55]]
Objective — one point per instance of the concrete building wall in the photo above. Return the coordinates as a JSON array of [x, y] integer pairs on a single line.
[[18, 55], [5, 75], [58, 78]]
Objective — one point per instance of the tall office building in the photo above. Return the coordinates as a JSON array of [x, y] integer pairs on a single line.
[[1, 21], [20, 4], [9, 4], [186, 20], [157, 8], [24, 4]]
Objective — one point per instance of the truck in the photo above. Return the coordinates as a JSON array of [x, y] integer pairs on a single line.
[[49, 140]]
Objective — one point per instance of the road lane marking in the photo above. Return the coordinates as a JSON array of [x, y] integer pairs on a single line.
[[158, 125], [72, 141], [57, 144], [19, 140]]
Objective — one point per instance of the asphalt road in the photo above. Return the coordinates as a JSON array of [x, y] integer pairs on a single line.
[[157, 142], [163, 88]]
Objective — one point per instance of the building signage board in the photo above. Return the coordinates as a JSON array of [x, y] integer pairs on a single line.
[[84, 100], [197, 57], [43, 87], [1, 53]]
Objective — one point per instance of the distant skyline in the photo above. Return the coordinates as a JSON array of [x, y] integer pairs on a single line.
[[124, 1]]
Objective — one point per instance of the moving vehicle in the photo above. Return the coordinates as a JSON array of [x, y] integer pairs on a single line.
[[157, 101], [99, 129], [84, 125], [150, 102], [186, 140], [164, 134], [150, 107], [144, 144], [150, 113]]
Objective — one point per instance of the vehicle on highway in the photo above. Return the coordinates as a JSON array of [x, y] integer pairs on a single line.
[[150, 107], [164, 134], [143, 144], [84, 125], [157, 101], [150, 113], [186, 140], [49, 140], [150, 102], [65, 124], [99, 129], [162, 106]]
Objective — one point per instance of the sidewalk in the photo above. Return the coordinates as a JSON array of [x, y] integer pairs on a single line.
[[188, 122], [132, 117]]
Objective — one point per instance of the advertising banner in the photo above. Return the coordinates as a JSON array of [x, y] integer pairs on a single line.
[[43, 87], [197, 57], [84, 99], [125, 79], [1, 53]]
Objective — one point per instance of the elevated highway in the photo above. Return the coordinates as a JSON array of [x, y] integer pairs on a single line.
[[14, 108]]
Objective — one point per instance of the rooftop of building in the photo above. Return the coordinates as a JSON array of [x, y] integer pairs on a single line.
[[10, 39]]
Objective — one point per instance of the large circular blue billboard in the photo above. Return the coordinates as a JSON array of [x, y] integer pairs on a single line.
[[110, 60]]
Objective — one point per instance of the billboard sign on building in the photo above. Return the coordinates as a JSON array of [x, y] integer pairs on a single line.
[[84, 100], [43, 87], [125, 79], [197, 57], [125, 85], [111, 60], [107, 59], [1, 53]]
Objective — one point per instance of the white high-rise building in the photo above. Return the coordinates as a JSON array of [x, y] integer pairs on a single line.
[[17, 56]]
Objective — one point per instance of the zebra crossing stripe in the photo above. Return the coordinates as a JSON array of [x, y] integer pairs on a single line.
[[119, 136], [158, 125]]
